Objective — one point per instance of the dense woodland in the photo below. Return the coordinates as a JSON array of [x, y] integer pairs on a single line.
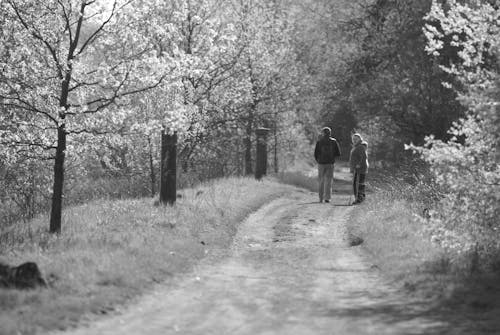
[[87, 88]]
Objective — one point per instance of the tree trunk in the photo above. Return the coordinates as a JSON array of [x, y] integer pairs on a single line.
[[151, 169], [55, 214], [241, 158], [276, 170], [261, 153], [248, 148], [168, 186]]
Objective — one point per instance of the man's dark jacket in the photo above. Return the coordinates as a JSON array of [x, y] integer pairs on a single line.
[[326, 150]]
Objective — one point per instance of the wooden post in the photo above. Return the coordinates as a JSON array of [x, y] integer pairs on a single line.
[[168, 175], [261, 161]]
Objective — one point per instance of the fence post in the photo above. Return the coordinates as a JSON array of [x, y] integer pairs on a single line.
[[168, 173], [261, 159]]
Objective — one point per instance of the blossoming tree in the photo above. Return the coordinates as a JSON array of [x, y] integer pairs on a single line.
[[467, 167], [65, 67]]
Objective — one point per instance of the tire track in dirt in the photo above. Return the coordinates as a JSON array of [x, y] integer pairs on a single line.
[[289, 271]]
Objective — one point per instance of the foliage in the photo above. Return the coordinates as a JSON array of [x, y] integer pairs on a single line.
[[88, 87], [253, 85], [388, 86], [467, 166], [66, 66]]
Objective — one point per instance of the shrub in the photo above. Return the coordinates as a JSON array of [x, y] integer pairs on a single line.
[[467, 166]]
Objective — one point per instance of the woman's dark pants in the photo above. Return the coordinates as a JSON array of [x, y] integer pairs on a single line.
[[358, 185]]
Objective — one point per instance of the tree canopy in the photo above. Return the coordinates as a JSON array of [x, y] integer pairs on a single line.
[[87, 87]]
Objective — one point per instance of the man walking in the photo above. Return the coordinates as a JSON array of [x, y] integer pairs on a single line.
[[325, 152]]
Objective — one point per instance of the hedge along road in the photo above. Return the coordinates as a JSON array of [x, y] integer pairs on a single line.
[[290, 270]]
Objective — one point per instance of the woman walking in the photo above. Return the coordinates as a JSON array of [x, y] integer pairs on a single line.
[[358, 161]]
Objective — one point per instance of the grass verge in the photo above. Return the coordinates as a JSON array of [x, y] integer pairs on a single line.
[[110, 251], [396, 241]]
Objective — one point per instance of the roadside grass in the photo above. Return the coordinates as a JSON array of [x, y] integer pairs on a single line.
[[390, 223], [396, 241], [110, 251]]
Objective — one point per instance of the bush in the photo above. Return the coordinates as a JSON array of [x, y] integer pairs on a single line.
[[465, 221]]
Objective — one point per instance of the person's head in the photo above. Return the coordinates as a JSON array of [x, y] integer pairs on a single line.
[[326, 131], [356, 139]]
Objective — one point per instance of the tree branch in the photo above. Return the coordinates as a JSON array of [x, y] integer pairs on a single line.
[[93, 36], [36, 34]]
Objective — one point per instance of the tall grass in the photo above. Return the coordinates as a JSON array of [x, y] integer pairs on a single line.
[[112, 250], [388, 222], [394, 223]]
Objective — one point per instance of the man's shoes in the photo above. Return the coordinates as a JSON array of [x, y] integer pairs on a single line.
[[320, 200], [357, 202], [327, 200]]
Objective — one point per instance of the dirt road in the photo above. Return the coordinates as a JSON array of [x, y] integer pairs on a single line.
[[289, 271]]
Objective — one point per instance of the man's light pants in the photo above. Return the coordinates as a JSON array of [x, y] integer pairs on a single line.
[[325, 175]]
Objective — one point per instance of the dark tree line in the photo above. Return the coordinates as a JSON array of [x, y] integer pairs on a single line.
[[390, 87]]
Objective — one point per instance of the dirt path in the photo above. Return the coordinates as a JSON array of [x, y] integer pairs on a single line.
[[290, 271]]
